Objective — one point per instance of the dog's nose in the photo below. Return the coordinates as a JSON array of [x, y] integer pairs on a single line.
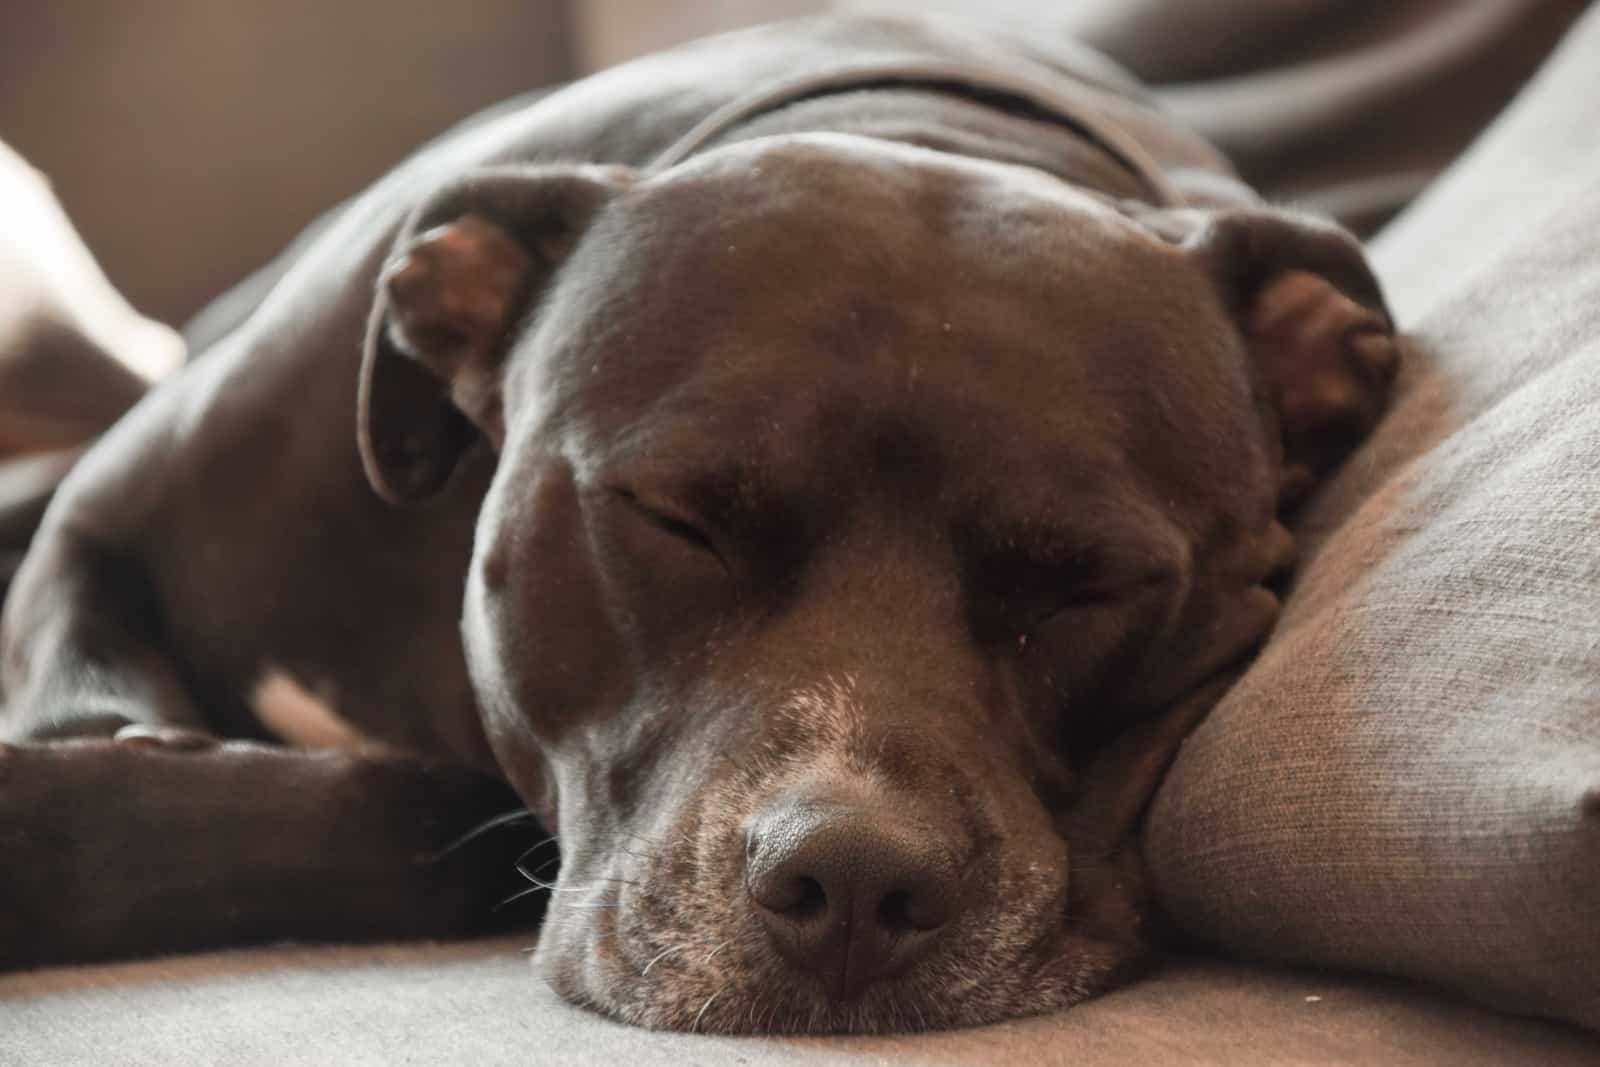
[[848, 893]]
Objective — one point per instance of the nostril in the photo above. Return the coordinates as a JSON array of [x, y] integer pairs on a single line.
[[811, 900], [905, 911], [894, 913], [798, 897]]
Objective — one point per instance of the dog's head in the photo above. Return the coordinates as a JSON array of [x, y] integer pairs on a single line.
[[869, 526]]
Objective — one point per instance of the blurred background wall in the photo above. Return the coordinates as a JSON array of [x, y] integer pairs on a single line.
[[191, 139]]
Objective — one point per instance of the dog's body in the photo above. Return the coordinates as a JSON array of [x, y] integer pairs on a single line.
[[866, 436]]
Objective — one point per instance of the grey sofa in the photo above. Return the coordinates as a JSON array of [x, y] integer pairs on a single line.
[[478, 1003]]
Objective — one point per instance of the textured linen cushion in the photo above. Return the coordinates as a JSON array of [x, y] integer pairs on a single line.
[[1408, 779]]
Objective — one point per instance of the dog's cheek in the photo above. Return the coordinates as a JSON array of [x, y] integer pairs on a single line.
[[1086, 670], [1076, 653], [665, 592], [543, 650], [1228, 612]]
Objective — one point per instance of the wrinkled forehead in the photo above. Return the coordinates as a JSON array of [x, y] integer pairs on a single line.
[[821, 293]]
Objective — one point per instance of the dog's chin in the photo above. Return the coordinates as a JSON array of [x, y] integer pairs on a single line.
[[738, 985]]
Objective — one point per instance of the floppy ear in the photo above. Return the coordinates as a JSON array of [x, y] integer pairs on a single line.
[[465, 271], [1314, 318]]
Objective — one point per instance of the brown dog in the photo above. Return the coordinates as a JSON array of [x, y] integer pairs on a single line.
[[858, 447]]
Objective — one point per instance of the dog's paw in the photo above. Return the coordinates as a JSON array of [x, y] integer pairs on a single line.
[[1330, 363], [138, 735]]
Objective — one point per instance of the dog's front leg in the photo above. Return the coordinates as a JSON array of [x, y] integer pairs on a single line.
[[80, 648], [111, 850], [127, 828]]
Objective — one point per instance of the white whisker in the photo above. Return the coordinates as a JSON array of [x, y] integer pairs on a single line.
[[663, 954], [694, 1026]]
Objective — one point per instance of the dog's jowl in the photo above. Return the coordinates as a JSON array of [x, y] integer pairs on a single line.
[[824, 471]]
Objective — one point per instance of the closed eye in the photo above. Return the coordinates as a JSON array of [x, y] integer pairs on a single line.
[[670, 522], [1021, 595], [1042, 607]]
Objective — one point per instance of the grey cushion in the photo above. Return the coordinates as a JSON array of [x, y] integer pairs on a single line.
[[480, 1004], [1408, 780]]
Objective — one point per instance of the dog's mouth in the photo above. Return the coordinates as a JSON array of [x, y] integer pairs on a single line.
[[828, 905], [805, 866], [702, 960]]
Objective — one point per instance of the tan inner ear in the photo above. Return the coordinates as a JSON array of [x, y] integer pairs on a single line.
[[453, 292], [1328, 362], [453, 295]]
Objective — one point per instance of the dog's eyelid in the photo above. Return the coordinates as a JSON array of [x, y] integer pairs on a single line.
[[670, 519], [655, 506], [1094, 568], [1127, 576], [1084, 581]]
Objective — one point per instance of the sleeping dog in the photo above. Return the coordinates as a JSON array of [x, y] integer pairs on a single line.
[[824, 470]]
